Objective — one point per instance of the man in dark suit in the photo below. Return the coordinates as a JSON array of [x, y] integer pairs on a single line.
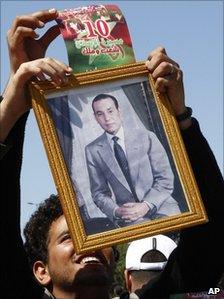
[[133, 164]]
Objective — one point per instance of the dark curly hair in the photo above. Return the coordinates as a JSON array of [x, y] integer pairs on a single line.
[[37, 229]]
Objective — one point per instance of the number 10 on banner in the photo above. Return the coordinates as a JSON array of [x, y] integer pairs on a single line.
[[100, 26]]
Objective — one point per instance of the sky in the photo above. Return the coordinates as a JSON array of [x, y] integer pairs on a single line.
[[191, 32]]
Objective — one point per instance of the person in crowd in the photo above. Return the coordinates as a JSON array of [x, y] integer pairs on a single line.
[[56, 266], [190, 267], [141, 180], [145, 260]]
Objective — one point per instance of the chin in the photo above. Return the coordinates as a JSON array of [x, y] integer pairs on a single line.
[[112, 132]]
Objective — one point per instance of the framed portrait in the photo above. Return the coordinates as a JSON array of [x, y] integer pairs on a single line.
[[117, 157]]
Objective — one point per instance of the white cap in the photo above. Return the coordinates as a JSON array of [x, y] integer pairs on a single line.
[[138, 248]]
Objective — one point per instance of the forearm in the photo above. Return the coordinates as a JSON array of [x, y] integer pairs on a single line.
[[7, 118], [10, 180], [15, 101], [100, 190], [206, 171], [157, 197], [185, 124], [106, 205], [198, 274]]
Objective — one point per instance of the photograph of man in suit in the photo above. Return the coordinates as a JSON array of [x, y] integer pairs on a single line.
[[131, 164]]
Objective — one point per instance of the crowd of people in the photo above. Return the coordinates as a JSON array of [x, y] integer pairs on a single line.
[[46, 266]]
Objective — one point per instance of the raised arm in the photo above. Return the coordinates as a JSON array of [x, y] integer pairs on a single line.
[[197, 263], [17, 280]]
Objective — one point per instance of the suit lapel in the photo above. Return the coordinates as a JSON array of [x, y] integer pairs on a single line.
[[107, 155]]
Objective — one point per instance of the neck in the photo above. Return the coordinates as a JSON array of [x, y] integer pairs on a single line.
[[85, 292]]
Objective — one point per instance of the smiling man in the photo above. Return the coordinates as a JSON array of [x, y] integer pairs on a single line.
[[56, 266]]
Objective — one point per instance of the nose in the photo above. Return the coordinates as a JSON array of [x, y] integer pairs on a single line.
[[107, 117]]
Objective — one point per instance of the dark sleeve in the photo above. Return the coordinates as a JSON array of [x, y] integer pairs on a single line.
[[4, 148], [198, 261], [200, 253], [16, 277]]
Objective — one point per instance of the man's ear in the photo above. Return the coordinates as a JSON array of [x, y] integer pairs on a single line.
[[128, 280], [41, 273]]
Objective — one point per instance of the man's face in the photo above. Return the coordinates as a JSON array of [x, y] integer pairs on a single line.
[[70, 271], [107, 115]]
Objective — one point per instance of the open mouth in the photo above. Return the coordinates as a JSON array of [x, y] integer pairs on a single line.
[[90, 260]]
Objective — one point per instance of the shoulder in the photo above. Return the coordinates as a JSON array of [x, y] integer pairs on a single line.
[[143, 133], [99, 140]]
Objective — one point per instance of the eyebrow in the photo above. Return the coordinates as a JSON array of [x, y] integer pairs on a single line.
[[100, 111], [64, 232]]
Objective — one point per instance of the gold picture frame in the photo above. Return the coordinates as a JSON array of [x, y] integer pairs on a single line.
[[88, 193]]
